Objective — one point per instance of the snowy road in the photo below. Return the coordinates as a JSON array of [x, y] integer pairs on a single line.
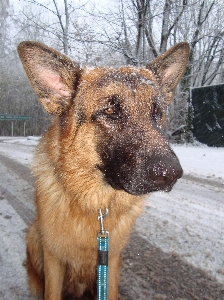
[[188, 221], [183, 228]]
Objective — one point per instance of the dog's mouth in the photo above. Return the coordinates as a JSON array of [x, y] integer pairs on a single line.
[[141, 188], [159, 177]]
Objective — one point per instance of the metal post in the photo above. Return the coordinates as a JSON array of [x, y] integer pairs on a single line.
[[24, 129], [12, 129]]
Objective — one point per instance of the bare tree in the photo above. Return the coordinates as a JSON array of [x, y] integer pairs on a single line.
[[172, 13], [58, 22], [4, 25]]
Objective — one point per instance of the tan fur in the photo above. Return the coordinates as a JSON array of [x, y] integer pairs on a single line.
[[70, 190], [68, 223]]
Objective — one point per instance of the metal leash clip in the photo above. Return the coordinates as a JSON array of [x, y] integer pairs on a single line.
[[101, 217], [102, 268]]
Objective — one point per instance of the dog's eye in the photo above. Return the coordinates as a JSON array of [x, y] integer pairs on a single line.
[[109, 111], [112, 112]]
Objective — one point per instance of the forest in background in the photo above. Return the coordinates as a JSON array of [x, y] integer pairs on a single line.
[[109, 33]]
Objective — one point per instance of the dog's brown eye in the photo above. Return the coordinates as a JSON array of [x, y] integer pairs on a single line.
[[109, 111]]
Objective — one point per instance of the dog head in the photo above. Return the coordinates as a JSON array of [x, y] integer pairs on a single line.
[[124, 108]]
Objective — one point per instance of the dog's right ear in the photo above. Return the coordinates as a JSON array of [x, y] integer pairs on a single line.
[[53, 76], [169, 68]]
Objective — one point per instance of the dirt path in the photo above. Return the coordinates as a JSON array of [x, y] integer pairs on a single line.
[[147, 273]]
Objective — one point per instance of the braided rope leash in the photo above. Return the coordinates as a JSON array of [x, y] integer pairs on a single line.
[[102, 269]]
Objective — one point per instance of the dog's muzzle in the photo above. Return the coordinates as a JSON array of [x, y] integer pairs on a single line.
[[149, 175]]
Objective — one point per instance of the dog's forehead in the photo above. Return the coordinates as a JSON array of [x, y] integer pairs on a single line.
[[99, 84], [129, 76]]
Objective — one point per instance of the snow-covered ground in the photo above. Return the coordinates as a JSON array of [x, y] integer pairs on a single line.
[[201, 160], [23, 153], [189, 220]]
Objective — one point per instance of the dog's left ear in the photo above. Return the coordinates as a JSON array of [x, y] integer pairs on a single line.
[[53, 76], [169, 68]]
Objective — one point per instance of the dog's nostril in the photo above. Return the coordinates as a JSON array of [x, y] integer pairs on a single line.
[[163, 175], [160, 181], [159, 170], [158, 174]]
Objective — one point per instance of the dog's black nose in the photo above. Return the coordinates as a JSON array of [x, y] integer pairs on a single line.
[[163, 176]]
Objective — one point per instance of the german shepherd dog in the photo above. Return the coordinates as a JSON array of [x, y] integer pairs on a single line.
[[104, 149]]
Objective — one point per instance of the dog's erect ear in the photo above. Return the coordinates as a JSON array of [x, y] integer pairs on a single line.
[[53, 76], [169, 67]]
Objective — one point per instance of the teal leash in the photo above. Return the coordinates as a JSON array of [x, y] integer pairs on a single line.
[[102, 269]]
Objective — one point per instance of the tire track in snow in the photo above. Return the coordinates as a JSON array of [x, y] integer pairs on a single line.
[[149, 273], [26, 214], [204, 181], [18, 168]]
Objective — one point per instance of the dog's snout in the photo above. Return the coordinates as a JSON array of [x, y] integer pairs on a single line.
[[164, 176]]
